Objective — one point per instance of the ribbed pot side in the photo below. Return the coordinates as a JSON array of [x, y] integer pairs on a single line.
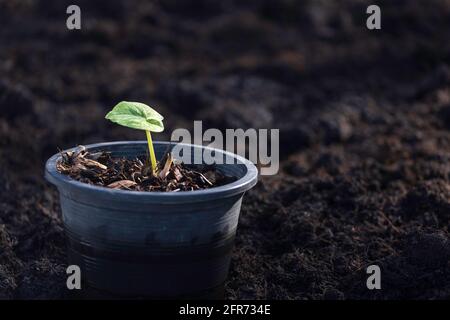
[[152, 244]]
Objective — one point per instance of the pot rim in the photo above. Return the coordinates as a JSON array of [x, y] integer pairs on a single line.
[[239, 186]]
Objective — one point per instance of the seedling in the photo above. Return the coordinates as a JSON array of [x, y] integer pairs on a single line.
[[140, 116]]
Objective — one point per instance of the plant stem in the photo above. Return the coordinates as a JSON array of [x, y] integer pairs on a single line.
[[150, 150]]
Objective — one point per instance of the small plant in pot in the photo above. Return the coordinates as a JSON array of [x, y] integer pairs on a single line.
[[137, 227]]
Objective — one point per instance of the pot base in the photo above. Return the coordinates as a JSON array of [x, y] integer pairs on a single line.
[[89, 293]]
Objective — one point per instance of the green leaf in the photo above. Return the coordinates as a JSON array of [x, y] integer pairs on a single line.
[[136, 115]]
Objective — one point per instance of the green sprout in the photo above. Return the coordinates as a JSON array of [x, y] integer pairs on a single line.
[[140, 116]]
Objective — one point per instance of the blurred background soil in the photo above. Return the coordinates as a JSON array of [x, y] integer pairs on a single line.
[[364, 119]]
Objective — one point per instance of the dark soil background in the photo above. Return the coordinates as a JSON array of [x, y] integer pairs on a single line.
[[364, 119]]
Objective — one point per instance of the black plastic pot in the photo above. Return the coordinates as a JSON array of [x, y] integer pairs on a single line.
[[152, 244]]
